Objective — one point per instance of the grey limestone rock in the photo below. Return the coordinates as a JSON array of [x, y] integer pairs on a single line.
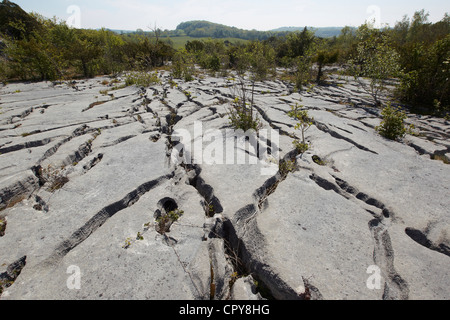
[[99, 197]]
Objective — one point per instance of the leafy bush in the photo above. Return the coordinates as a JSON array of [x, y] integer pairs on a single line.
[[142, 79], [425, 82], [393, 124], [324, 58], [183, 66], [303, 72], [3, 71]]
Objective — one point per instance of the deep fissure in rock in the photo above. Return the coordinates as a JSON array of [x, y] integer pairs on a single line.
[[422, 239], [13, 271], [101, 217]]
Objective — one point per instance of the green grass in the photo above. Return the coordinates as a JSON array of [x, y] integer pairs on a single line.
[[180, 42]]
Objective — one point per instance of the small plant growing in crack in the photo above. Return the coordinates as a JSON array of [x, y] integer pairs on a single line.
[[286, 167], [2, 226], [128, 242], [57, 183], [241, 113], [317, 160], [209, 209], [304, 123], [54, 177], [147, 226], [165, 222], [234, 277], [301, 147], [173, 84]]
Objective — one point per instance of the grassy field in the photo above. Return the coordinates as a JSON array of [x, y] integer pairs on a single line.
[[179, 42]]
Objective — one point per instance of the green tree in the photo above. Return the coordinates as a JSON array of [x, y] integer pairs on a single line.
[[346, 43], [425, 81], [252, 62], [37, 56], [375, 59], [323, 58], [183, 65], [297, 53], [303, 71], [424, 58], [15, 23], [87, 51], [113, 53]]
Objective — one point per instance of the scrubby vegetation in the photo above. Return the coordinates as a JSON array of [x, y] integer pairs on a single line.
[[374, 59], [48, 49], [392, 127], [413, 56]]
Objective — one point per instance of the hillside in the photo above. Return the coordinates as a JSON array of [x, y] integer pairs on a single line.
[[205, 29], [323, 32], [11, 13], [214, 30]]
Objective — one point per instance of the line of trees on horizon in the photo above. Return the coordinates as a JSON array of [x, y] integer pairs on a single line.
[[414, 51]]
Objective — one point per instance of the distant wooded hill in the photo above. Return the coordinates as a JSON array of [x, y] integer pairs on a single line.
[[206, 29], [323, 32]]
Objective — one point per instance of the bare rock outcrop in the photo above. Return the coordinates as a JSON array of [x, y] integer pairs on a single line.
[[101, 198]]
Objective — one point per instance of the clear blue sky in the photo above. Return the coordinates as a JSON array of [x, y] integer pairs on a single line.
[[247, 14]]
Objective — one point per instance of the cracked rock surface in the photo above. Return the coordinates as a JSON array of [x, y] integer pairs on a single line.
[[94, 205]]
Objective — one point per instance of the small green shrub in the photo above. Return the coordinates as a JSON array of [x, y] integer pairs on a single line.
[[183, 66], [142, 79], [175, 214], [304, 123], [393, 124]]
